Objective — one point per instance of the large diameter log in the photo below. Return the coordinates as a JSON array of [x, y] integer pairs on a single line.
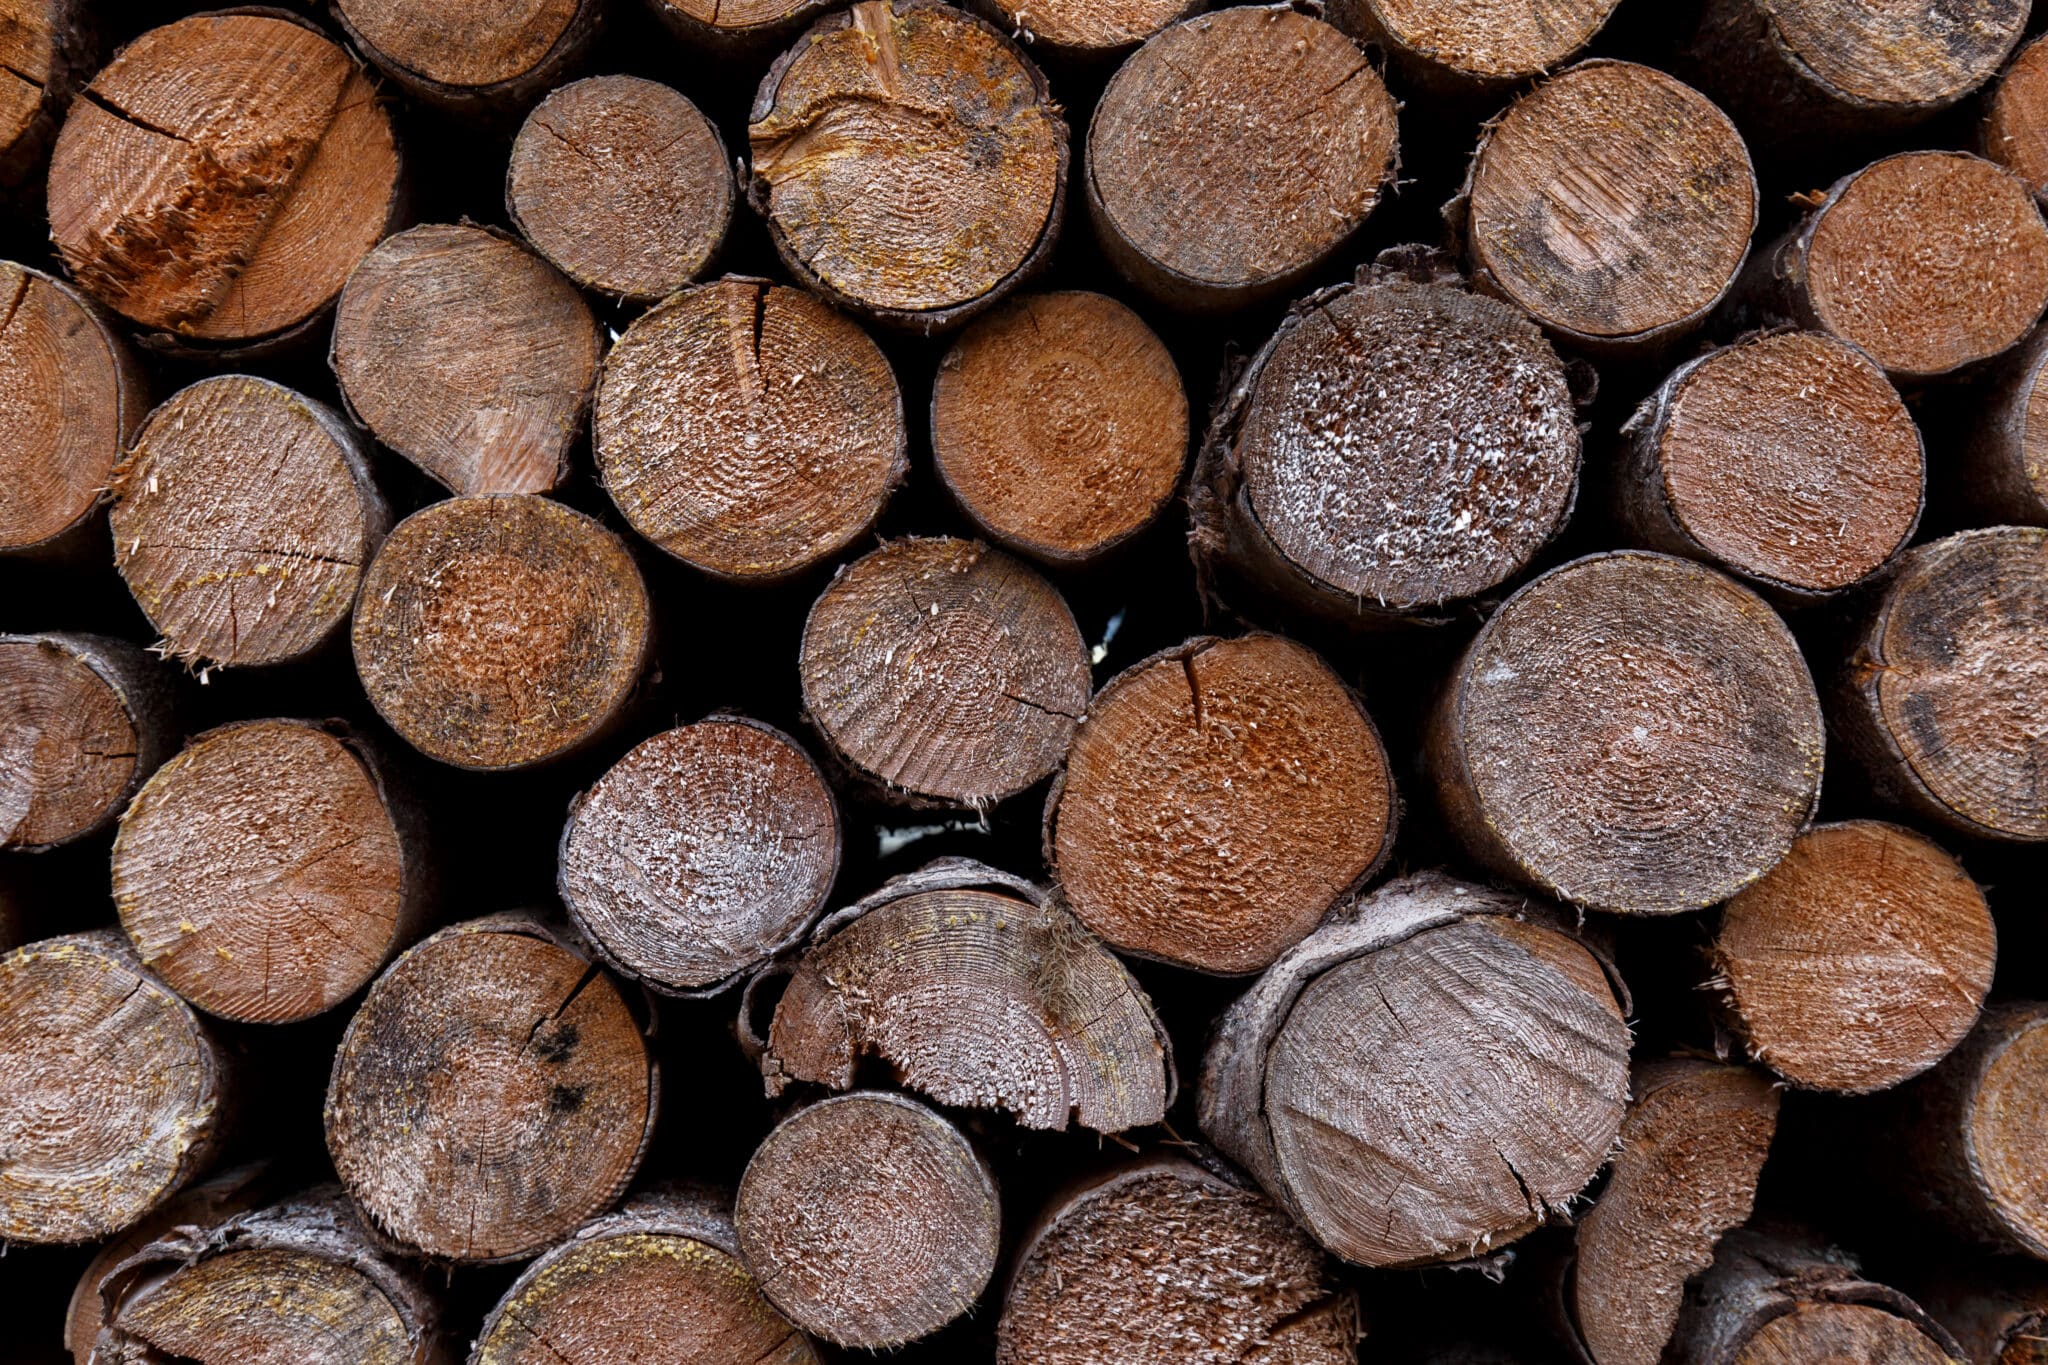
[[1162, 1260], [1857, 962], [2001, 470], [116, 1094], [1944, 699], [301, 1280], [1397, 446], [479, 61], [909, 160], [659, 1279], [701, 854], [1692, 1146], [1432, 1074], [1234, 152], [469, 355], [491, 1094], [980, 993], [943, 671], [869, 1219], [46, 50], [1221, 798], [500, 632], [1473, 47], [749, 429], [2014, 132], [1630, 732], [1087, 33], [1613, 204], [220, 178], [242, 520], [1996, 1310], [84, 721], [267, 872]]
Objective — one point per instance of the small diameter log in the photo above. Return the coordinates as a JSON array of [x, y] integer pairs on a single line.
[[1928, 261], [1859, 961], [1234, 152], [1086, 33], [909, 160], [1613, 204], [217, 182], [1473, 47], [266, 873], [46, 50], [1059, 425], [869, 1219], [501, 632], [1945, 690], [1692, 1146], [477, 61], [1221, 798], [242, 520], [469, 355], [1996, 1310], [944, 671], [2015, 128], [749, 429], [1161, 1260], [2001, 471], [299, 1281], [74, 396], [1630, 732], [1434, 1073], [491, 1094], [978, 992], [115, 1094], [704, 852], [623, 185], [1398, 446], [84, 721], [1788, 460]]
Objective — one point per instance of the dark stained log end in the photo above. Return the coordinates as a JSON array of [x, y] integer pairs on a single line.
[[497, 55], [2015, 128], [1450, 46]]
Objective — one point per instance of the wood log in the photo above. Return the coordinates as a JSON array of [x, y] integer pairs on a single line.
[[704, 852], [1929, 261], [492, 1093], [501, 632], [623, 185], [869, 1220], [2001, 467], [1692, 1146], [242, 519], [741, 28], [1857, 962], [1465, 49], [48, 48], [301, 1281], [1787, 459], [75, 398], [84, 721], [659, 1279], [944, 671], [1630, 732], [220, 178], [116, 1094], [469, 355], [1209, 184], [1162, 1260], [1435, 1072], [910, 162], [1222, 797], [1059, 425], [1941, 699], [1087, 33], [2014, 132], [1996, 1310], [270, 870], [1399, 445], [485, 61], [977, 991], [749, 429], [1613, 204]]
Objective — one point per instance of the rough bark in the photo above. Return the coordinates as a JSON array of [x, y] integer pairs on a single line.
[[1473, 48], [501, 632], [480, 61], [1081, 34], [2002, 466], [2014, 132], [1209, 183], [1222, 797], [1630, 732], [491, 1094], [469, 355], [870, 1220], [1996, 1310], [47, 47], [1365, 1079], [749, 429]]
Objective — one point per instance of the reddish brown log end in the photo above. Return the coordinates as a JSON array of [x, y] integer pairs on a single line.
[[481, 57], [2015, 130], [84, 720], [43, 47], [748, 429], [1060, 425], [1088, 31], [737, 25], [1474, 45]]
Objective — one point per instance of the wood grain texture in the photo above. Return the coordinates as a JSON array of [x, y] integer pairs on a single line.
[[1473, 47], [2002, 463], [477, 60], [47, 49], [2014, 132], [736, 27], [1085, 33]]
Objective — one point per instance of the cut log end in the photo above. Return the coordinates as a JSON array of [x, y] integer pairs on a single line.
[[499, 51], [47, 44], [2004, 1120], [870, 1220], [2015, 130], [1475, 47], [1089, 31], [1841, 1331], [1891, 61], [499, 632], [83, 722], [737, 25]]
